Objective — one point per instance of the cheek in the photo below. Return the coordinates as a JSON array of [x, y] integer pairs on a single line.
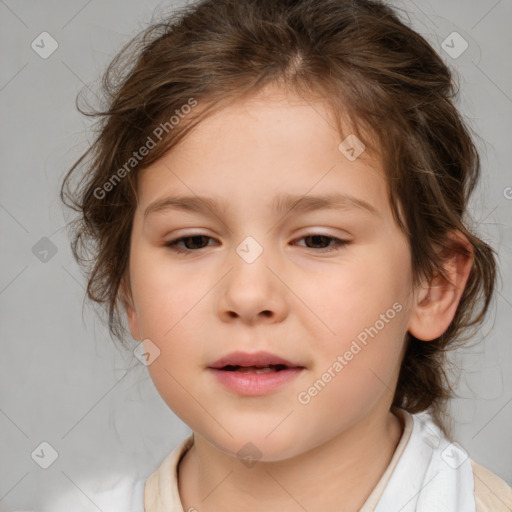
[[170, 380], [364, 312], [354, 295], [171, 314], [163, 297]]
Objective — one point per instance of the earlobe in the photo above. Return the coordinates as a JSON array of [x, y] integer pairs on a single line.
[[436, 302]]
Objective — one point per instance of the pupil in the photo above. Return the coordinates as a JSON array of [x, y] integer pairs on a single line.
[[196, 240], [316, 237]]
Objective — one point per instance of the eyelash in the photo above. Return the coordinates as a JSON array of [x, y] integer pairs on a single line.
[[172, 244]]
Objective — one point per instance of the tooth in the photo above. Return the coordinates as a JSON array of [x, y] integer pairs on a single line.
[[252, 369]]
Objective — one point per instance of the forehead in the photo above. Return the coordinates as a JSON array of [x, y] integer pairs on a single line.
[[260, 148]]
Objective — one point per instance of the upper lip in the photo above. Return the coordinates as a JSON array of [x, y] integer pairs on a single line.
[[252, 359]]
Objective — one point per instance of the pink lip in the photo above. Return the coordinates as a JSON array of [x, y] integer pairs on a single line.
[[255, 384]]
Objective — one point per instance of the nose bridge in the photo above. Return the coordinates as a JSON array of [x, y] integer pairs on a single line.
[[255, 238], [250, 249], [251, 260], [251, 236]]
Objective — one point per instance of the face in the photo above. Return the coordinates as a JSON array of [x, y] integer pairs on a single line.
[[326, 288]]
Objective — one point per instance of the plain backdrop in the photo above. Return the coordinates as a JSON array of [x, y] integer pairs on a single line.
[[62, 380]]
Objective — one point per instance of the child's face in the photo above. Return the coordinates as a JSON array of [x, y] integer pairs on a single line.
[[304, 299]]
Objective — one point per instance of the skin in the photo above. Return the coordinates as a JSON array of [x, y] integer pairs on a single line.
[[297, 300]]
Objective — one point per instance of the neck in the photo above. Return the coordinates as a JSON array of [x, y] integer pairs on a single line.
[[336, 475]]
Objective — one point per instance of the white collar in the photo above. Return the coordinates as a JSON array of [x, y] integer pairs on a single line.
[[431, 475]]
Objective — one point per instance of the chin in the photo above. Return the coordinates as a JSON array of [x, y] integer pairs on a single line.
[[252, 443]]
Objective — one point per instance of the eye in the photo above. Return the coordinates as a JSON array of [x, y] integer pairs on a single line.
[[319, 239], [196, 242], [188, 241]]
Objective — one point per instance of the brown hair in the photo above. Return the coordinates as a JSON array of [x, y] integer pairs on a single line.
[[379, 76]]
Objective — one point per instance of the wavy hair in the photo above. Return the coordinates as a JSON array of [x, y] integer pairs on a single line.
[[382, 81]]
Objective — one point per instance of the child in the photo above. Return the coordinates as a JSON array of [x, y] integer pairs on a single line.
[[277, 203]]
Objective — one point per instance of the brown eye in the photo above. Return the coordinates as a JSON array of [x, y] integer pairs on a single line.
[[323, 240], [192, 243]]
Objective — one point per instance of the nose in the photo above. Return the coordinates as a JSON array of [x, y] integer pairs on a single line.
[[252, 291]]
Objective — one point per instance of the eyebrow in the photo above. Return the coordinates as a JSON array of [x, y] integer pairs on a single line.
[[281, 204]]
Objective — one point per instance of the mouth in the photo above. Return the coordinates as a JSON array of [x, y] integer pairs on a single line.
[[254, 369], [256, 362], [254, 374]]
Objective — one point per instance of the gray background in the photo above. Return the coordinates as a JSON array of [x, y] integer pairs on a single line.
[[61, 379]]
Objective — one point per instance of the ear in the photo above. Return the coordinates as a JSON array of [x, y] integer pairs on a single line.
[[436, 301], [125, 295]]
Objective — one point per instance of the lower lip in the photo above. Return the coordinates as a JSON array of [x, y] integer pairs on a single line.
[[255, 384]]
